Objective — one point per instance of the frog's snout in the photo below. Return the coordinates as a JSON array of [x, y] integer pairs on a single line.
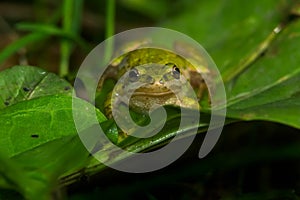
[[161, 81]]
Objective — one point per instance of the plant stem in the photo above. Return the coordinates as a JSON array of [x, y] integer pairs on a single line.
[[71, 23], [110, 29], [65, 44]]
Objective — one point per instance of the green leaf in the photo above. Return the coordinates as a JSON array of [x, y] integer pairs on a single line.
[[50, 161], [133, 144], [109, 127], [229, 29], [47, 29], [52, 30], [21, 83], [154, 9], [270, 90], [41, 139], [36, 178], [29, 124], [10, 173], [260, 64], [23, 41]]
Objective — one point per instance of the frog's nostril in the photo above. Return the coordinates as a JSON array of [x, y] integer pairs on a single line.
[[150, 80], [165, 77]]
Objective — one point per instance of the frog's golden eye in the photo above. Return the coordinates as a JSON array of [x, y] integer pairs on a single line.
[[176, 72], [134, 75]]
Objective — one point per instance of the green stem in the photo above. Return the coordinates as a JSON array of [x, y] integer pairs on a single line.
[[110, 23], [65, 44], [71, 23]]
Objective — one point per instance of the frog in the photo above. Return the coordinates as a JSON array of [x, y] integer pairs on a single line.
[[164, 77]]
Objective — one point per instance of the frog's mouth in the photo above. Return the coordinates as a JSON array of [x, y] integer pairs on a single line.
[[154, 94], [156, 90]]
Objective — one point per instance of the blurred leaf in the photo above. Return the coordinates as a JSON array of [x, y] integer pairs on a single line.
[[51, 30], [21, 42], [154, 9], [21, 83], [10, 173], [257, 86], [229, 29]]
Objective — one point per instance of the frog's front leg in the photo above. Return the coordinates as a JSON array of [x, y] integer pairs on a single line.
[[115, 104]]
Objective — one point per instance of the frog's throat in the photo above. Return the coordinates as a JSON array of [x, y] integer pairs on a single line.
[[153, 94]]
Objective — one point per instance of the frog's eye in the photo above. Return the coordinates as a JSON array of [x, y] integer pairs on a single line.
[[134, 75], [176, 72]]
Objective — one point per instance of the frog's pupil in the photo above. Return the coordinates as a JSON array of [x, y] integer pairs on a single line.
[[177, 69], [133, 75], [176, 72]]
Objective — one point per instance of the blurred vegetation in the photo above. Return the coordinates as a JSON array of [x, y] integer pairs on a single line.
[[255, 46]]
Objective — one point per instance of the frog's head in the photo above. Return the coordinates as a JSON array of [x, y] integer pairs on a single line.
[[153, 83], [150, 76], [156, 79]]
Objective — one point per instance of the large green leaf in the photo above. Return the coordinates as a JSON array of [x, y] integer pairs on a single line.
[[230, 29], [38, 137], [34, 173], [29, 124], [21, 83], [270, 90], [41, 139], [260, 65]]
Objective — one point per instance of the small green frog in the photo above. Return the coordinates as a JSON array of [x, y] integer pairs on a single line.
[[163, 76]]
